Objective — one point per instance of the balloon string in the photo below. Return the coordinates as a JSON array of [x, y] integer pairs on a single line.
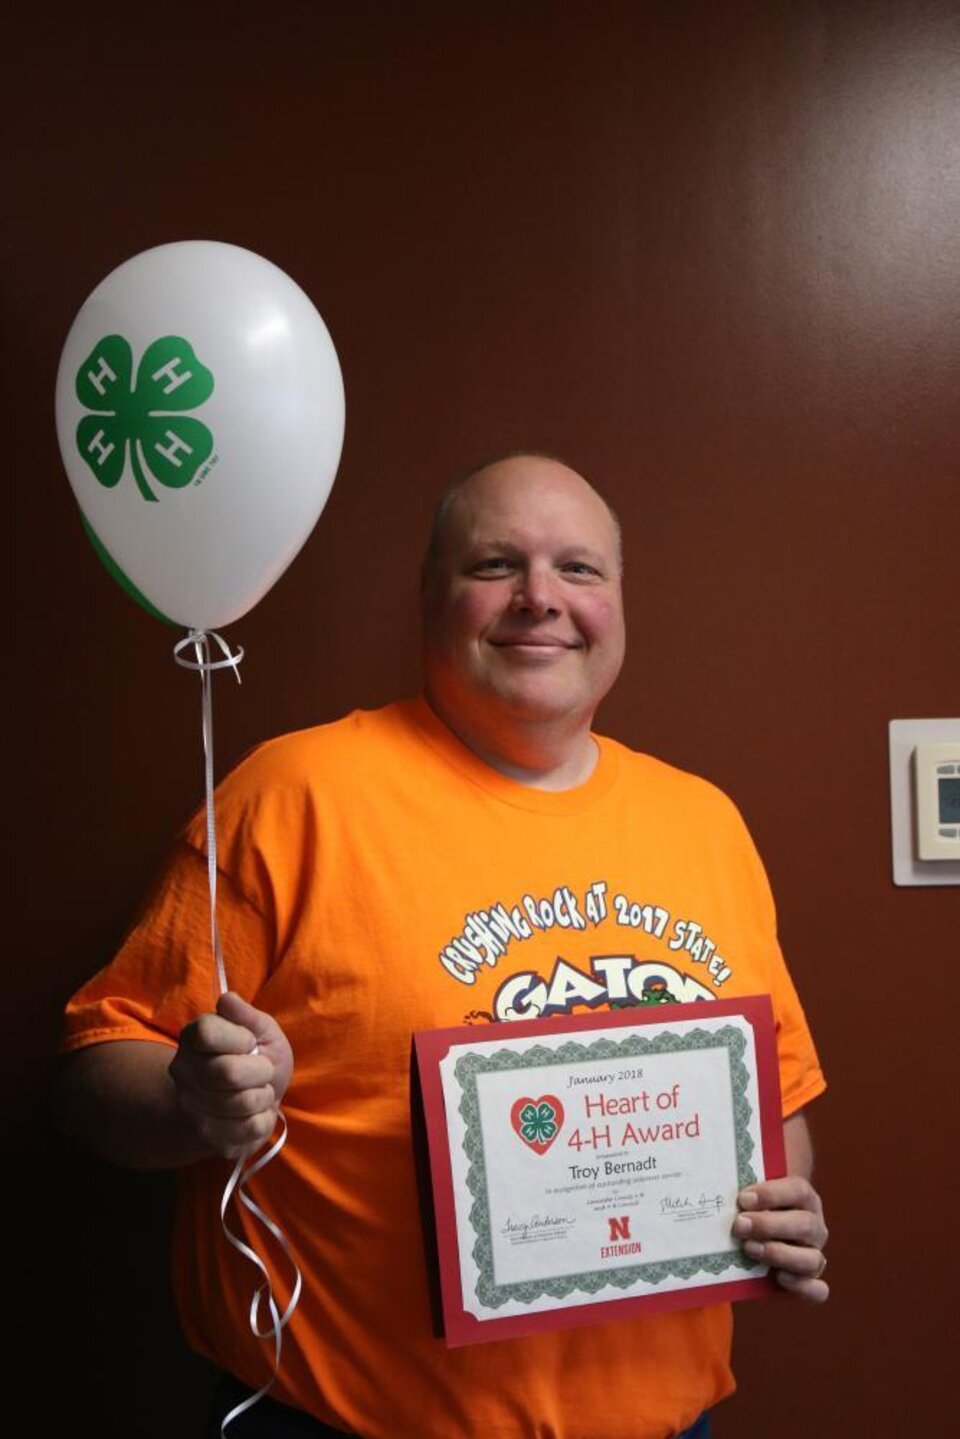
[[199, 642], [246, 1166]]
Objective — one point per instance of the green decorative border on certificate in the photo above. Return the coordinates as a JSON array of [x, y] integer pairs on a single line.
[[469, 1066]]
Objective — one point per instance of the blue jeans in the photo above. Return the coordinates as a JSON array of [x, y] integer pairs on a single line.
[[270, 1420]]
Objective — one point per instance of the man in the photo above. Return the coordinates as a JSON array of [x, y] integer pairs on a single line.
[[478, 854]]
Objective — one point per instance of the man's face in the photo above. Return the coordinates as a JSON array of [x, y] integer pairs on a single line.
[[523, 615]]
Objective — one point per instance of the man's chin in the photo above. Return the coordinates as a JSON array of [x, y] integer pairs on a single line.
[[539, 704]]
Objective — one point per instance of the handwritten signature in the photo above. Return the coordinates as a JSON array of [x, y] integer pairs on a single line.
[[536, 1221], [671, 1203]]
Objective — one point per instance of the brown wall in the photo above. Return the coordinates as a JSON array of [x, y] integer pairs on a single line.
[[709, 253]]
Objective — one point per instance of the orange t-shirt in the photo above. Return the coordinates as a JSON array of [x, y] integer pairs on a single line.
[[377, 878]]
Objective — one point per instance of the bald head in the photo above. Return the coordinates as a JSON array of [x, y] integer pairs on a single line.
[[506, 470]]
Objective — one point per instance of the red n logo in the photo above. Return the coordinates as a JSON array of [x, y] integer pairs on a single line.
[[619, 1228]]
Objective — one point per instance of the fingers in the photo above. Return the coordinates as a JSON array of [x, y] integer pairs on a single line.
[[790, 1192], [266, 1034], [216, 1055], [781, 1225], [795, 1226], [229, 1102], [230, 1072], [804, 1261], [211, 1034], [814, 1291], [796, 1268]]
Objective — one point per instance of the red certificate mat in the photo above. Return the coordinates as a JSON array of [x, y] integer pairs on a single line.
[[586, 1169]]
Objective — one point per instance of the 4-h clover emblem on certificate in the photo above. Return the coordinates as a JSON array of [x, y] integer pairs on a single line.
[[537, 1121]]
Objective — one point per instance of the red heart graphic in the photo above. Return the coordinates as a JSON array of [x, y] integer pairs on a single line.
[[540, 1113]]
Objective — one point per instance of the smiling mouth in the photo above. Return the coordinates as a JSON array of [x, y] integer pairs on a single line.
[[532, 644]]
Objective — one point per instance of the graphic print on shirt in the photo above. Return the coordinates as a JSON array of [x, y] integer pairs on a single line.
[[616, 980]]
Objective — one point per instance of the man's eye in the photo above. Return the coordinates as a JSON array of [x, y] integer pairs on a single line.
[[581, 570], [492, 565]]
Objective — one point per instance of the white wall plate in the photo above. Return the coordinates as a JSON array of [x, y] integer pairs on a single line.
[[905, 735]]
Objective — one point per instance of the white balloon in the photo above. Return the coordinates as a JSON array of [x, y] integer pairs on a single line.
[[200, 414]]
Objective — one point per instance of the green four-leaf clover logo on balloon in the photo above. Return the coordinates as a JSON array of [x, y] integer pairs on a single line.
[[144, 419]]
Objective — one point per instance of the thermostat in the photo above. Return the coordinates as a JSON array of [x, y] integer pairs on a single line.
[[925, 801], [936, 780]]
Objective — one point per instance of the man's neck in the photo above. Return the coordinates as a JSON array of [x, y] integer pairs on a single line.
[[550, 756]]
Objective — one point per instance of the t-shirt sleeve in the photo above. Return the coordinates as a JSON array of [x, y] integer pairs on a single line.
[[164, 974], [801, 1077]]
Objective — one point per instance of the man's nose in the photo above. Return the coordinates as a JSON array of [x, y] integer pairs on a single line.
[[536, 593]]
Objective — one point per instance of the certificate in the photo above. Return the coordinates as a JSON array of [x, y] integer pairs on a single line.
[[586, 1169]]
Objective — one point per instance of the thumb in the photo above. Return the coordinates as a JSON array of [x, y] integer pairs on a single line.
[[269, 1037], [231, 1007]]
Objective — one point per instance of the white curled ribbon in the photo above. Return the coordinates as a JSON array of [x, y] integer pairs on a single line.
[[263, 1294], [199, 642]]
